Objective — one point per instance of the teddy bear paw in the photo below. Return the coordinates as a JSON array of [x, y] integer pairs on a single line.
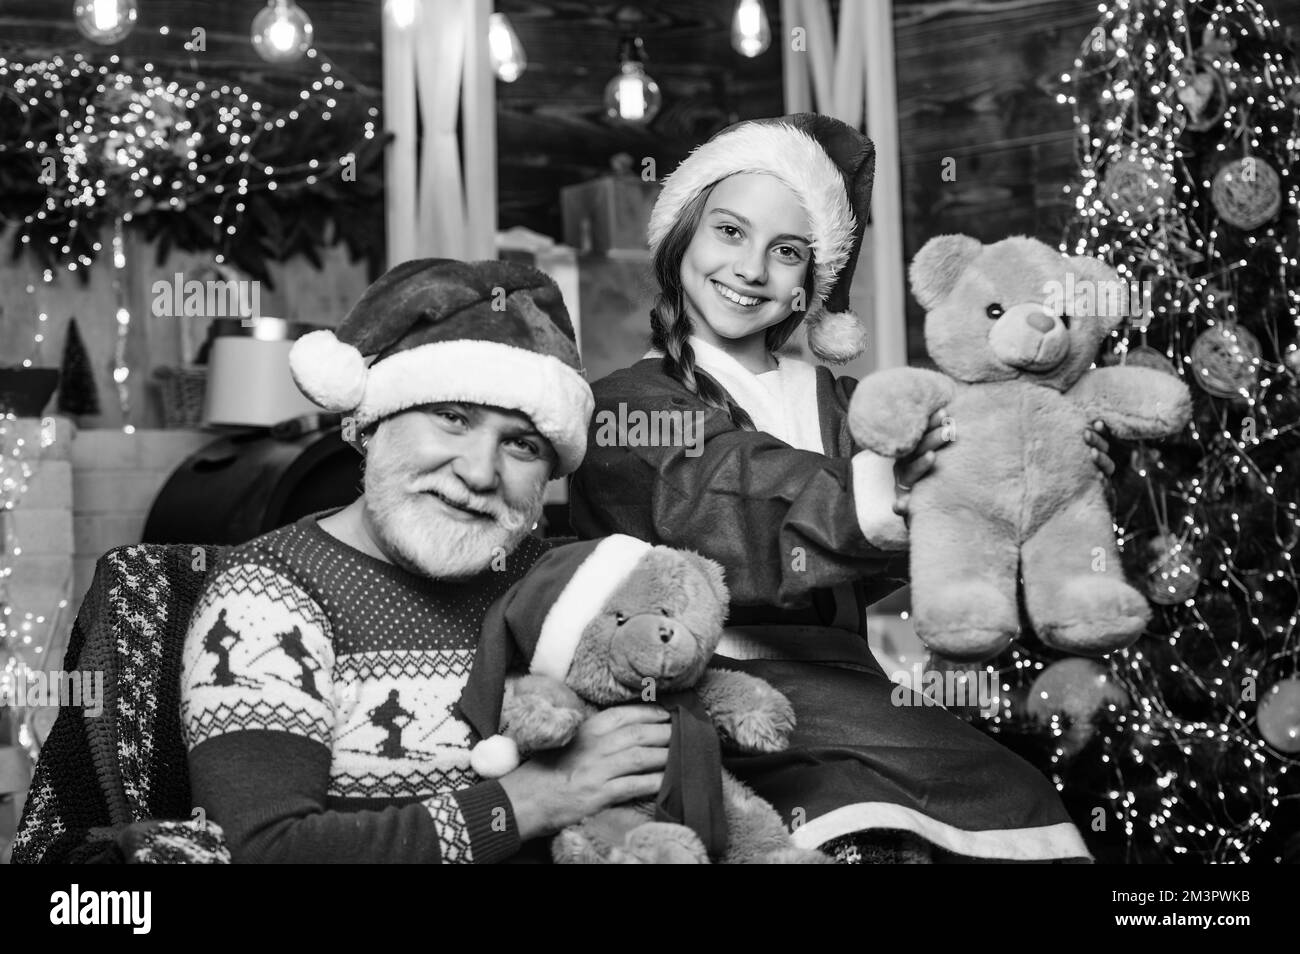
[[538, 724], [572, 847], [970, 620], [661, 843], [1091, 616], [766, 728]]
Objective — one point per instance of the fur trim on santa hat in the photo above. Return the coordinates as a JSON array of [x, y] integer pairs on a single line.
[[789, 154], [836, 337], [329, 372], [556, 398]]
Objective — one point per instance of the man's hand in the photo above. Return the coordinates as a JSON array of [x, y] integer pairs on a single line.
[[908, 470], [617, 756]]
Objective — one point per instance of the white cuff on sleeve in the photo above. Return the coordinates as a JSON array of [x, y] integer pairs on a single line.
[[873, 498]]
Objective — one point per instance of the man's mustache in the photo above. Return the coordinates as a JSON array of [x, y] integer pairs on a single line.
[[507, 516]]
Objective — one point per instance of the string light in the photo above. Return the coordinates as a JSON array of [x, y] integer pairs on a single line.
[[124, 139]]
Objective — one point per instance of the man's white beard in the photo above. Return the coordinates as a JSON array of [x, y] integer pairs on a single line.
[[427, 541]]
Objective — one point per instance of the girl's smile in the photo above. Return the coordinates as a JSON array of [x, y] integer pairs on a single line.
[[737, 298]]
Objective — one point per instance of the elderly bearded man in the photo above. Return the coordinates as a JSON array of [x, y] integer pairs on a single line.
[[324, 659]]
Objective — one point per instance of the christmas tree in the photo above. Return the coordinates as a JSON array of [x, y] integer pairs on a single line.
[[77, 392], [1186, 747]]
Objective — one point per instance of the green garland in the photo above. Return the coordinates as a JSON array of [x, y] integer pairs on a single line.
[[83, 143]]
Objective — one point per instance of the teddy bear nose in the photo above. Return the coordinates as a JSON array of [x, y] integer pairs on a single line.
[[1039, 321], [665, 632]]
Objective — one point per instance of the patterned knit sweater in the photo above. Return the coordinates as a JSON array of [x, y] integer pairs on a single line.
[[317, 697]]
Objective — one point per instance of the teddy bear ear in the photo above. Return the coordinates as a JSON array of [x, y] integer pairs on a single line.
[[939, 264], [1109, 293], [1093, 269], [713, 573]]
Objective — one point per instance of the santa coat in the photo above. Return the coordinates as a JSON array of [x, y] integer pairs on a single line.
[[785, 524]]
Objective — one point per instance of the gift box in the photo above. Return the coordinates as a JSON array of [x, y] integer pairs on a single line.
[[607, 214]]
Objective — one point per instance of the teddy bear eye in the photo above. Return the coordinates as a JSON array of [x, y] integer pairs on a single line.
[[619, 619], [994, 310], [662, 611]]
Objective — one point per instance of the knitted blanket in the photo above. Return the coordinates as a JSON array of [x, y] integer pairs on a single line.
[[104, 784]]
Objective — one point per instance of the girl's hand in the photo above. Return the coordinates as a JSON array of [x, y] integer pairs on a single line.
[[1095, 437], [908, 470]]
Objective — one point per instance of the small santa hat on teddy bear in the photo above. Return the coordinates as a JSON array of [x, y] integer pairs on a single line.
[[572, 582]]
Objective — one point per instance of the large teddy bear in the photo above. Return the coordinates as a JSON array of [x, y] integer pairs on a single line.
[[1013, 328], [616, 620]]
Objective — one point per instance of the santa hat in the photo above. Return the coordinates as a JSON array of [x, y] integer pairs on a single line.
[[538, 623], [435, 329], [830, 167]]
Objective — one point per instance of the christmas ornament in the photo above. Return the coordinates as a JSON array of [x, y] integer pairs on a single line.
[[1247, 193], [1225, 360], [1075, 690], [1215, 46], [105, 21], [1204, 96], [1174, 572], [1137, 185], [1145, 356], [1278, 716]]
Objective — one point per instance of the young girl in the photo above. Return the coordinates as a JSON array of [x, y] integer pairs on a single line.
[[756, 230]]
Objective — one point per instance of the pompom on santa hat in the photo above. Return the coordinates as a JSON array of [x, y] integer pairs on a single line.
[[537, 624], [829, 166], [436, 329]]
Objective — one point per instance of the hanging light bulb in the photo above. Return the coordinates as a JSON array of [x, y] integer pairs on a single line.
[[403, 12], [507, 52], [632, 96], [105, 21], [750, 32], [281, 32]]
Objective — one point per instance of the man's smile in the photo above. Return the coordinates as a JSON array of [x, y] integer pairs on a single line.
[[459, 510]]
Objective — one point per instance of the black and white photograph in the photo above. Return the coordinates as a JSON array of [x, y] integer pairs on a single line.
[[845, 432]]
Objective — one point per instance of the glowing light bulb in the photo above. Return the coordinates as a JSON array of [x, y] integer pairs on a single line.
[[507, 53], [750, 32], [281, 32], [105, 21], [632, 96], [403, 12]]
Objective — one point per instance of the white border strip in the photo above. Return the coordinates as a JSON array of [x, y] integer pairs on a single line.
[[1044, 843], [602, 572]]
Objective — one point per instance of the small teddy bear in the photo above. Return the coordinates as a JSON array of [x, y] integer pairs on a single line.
[[616, 620], [1014, 328]]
